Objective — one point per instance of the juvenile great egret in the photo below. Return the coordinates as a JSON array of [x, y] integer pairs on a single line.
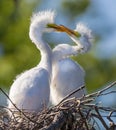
[[67, 75], [31, 90]]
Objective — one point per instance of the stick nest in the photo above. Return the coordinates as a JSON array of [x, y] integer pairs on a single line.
[[83, 113]]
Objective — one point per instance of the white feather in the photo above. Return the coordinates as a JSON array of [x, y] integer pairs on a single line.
[[31, 90]]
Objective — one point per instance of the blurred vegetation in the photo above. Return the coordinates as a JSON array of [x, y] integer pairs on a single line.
[[75, 7], [17, 53]]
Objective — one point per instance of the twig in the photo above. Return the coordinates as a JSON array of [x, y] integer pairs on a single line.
[[96, 116], [101, 119], [73, 92], [101, 91], [109, 116], [107, 93], [102, 108], [106, 88]]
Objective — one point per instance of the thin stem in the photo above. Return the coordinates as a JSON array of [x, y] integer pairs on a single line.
[[101, 119]]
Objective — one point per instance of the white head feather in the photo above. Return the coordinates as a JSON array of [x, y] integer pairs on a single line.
[[39, 23], [86, 36]]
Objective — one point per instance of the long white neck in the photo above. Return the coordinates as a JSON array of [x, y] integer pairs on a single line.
[[63, 51], [46, 56], [38, 26], [36, 33]]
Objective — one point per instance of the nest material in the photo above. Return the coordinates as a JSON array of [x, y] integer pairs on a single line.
[[69, 114]]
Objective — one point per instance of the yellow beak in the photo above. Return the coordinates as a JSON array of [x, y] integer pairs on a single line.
[[62, 28]]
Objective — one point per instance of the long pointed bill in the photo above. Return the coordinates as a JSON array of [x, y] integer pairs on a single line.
[[62, 28], [74, 35]]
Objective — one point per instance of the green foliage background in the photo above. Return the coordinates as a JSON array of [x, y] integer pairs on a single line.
[[19, 54]]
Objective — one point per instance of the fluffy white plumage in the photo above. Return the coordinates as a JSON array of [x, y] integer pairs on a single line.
[[67, 75], [31, 90], [85, 41]]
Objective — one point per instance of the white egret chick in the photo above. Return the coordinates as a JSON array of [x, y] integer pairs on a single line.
[[31, 90], [68, 75]]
